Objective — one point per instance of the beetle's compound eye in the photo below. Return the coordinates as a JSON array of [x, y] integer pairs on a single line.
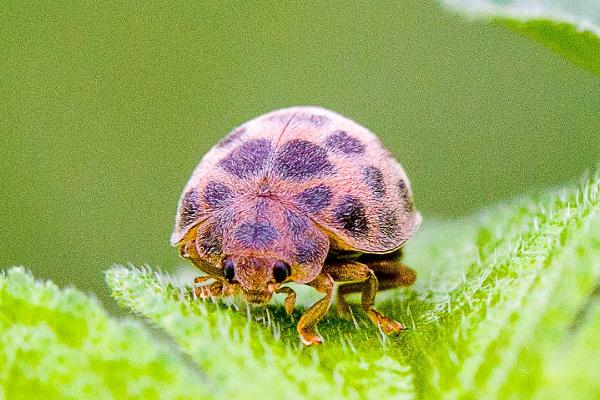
[[281, 271], [229, 269]]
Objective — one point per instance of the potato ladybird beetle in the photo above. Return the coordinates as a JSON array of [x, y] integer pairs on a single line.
[[300, 195]]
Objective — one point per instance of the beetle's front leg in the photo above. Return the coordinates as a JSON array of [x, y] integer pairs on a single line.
[[366, 281], [290, 300], [213, 290], [308, 322], [219, 288]]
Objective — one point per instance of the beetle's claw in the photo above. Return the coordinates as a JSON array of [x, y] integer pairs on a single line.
[[310, 338], [389, 326]]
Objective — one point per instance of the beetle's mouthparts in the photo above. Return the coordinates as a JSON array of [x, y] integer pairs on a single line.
[[257, 297]]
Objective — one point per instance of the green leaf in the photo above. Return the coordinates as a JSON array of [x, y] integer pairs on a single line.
[[506, 305], [570, 28], [502, 333], [59, 344]]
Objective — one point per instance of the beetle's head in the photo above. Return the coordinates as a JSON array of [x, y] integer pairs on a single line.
[[258, 277]]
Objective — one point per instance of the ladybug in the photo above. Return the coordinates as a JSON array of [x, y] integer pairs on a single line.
[[300, 195]]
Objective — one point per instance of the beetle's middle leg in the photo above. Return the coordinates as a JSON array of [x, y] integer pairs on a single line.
[[390, 273], [219, 288], [364, 279]]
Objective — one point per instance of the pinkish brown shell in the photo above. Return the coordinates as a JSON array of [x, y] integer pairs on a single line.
[[295, 182]]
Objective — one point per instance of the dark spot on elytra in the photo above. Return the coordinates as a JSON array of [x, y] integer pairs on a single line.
[[388, 222], [209, 240], [249, 159], [342, 143], [256, 235], [402, 187], [301, 160], [190, 208], [307, 251], [314, 199], [404, 194], [282, 118], [232, 137], [373, 177], [350, 214], [217, 194], [312, 119], [297, 223]]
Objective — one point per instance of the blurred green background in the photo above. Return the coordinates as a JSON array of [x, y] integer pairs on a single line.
[[106, 107]]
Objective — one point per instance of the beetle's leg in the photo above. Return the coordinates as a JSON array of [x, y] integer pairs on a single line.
[[342, 307], [390, 273], [201, 292], [215, 289], [212, 290], [307, 323], [290, 300], [364, 280], [201, 279]]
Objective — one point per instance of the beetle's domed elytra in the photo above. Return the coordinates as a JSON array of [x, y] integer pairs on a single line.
[[315, 162]]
